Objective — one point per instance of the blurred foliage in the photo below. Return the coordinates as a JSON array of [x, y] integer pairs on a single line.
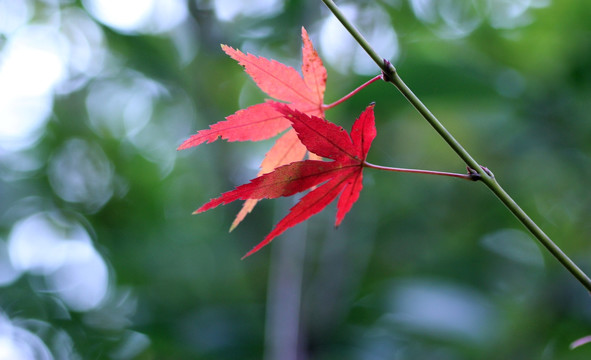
[[101, 258]]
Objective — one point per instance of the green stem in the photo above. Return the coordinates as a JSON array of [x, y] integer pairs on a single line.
[[390, 74], [533, 228], [355, 33]]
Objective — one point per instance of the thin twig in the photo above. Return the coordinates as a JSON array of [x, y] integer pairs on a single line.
[[390, 74]]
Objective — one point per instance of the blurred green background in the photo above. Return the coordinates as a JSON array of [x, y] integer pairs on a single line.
[[100, 257]]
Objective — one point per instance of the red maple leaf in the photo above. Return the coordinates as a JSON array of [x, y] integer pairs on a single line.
[[262, 121], [341, 176]]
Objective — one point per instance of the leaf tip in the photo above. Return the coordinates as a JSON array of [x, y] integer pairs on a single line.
[[184, 145], [230, 51], [250, 253], [226, 48], [304, 32], [208, 206]]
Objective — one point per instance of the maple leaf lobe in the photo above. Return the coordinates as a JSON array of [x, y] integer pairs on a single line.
[[277, 80], [313, 70], [255, 123], [320, 136]]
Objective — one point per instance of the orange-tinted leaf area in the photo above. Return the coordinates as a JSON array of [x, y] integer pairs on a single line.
[[262, 121], [342, 176]]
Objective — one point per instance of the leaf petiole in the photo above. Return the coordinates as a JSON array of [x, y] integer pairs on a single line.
[[470, 176], [349, 95]]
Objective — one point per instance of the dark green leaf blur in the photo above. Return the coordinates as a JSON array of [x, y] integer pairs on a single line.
[[100, 257]]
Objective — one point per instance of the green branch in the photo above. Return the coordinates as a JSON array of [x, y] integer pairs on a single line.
[[390, 74]]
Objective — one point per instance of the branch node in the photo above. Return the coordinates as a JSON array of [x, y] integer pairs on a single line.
[[473, 174], [488, 172], [389, 75]]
